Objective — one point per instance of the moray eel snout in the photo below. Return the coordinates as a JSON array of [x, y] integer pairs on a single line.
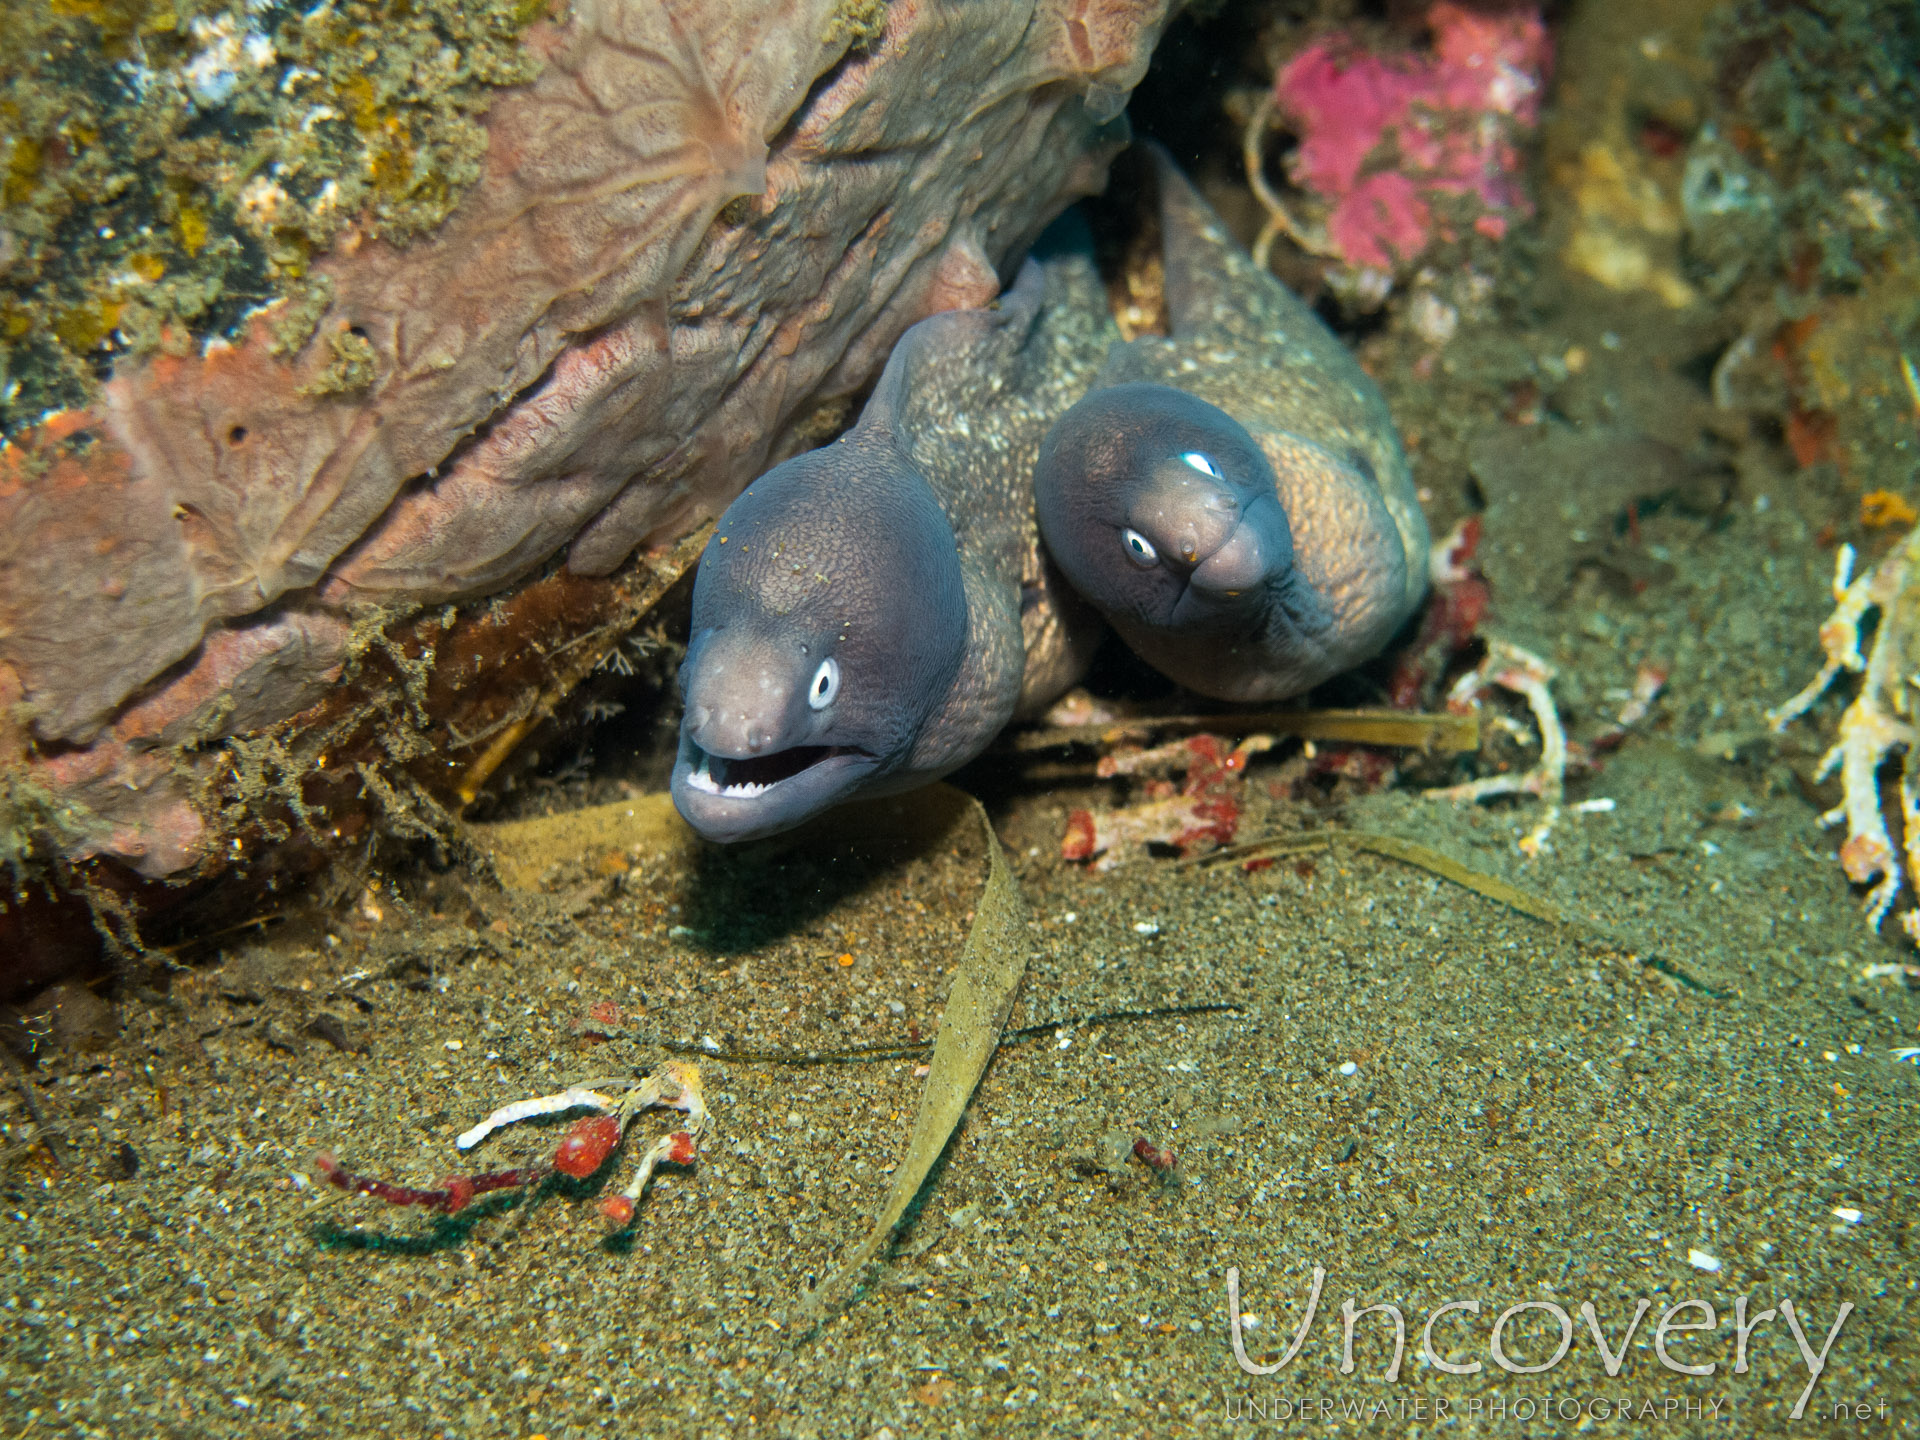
[[757, 720], [824, 630], [1177, 490]]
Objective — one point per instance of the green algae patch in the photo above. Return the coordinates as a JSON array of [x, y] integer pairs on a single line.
[[166, 169], [34, 822], [860, 23], [351, 369]]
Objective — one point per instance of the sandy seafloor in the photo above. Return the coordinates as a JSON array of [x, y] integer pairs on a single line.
[[1432, 1097]]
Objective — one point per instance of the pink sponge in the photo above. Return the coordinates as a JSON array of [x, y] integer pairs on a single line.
[[1382, 135]]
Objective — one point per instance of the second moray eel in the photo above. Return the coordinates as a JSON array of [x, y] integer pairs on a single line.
[[1233, 497], [870, 614]]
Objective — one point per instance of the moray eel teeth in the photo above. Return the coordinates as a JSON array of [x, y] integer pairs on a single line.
[[755, 775]]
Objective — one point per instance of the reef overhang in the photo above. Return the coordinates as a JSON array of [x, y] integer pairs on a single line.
[[260, 587]]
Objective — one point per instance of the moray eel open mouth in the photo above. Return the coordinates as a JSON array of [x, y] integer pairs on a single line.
[[729, 798], [743, 779]]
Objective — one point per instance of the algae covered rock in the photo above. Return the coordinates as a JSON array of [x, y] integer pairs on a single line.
[[685, 231]]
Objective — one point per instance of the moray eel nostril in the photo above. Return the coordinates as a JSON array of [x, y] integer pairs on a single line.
[[1256, 459], [1242, 561]]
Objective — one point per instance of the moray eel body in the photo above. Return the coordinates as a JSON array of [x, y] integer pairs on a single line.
[[869, 615], [1233, 496]]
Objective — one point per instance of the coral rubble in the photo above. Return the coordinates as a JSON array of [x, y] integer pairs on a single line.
[[1876, 723]]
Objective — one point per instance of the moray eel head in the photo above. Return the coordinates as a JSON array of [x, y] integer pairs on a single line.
[[829, 620], [1161, 510]]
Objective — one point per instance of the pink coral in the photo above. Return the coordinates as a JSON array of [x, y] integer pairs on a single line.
[[1381, 136]]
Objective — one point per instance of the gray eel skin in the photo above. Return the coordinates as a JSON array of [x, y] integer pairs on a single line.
[[1233, 497], [870, 614]]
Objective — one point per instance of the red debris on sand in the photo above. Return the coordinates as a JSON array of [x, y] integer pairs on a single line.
[[1153, 1156], [1452, 618], [1648, 681], [602, 1021], [455, 1193], [1080, 837], [583, 1150], [1365, 767], [460, 1192], [586, 1145], [1202, 810]]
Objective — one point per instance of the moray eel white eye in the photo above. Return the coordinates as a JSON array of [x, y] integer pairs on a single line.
[[1203, 463], [826, 684], [1139, 549]]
